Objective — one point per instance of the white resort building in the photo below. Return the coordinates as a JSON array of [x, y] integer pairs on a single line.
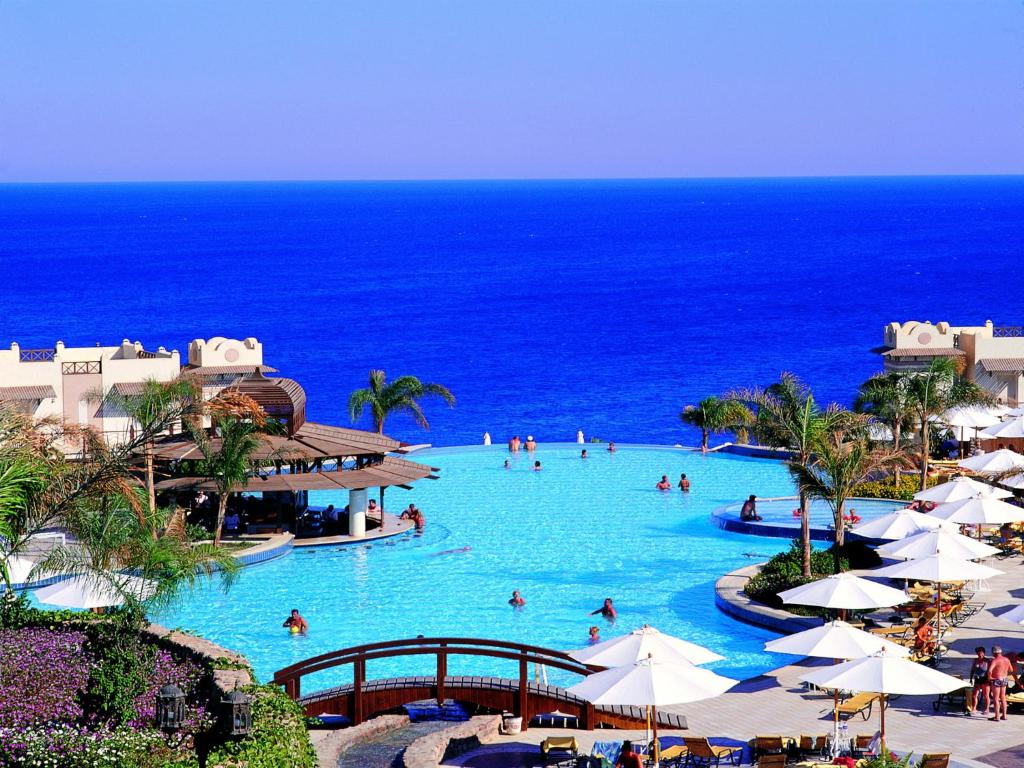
[[992, 355], [72, 383]]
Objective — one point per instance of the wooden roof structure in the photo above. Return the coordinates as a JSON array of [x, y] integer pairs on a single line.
[[390, 471], [309, 443]]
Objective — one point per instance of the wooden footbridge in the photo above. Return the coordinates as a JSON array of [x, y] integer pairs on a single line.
[[363, 699]]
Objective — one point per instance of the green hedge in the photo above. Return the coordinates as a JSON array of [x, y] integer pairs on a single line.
[[888, 489], [785, 571], [279, 736]]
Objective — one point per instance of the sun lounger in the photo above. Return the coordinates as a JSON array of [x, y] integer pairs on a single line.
[[673, 756], [560, 744], [811, 745], [937, 760], [699, 752], [860, 704], [777, 760], [768, 745]]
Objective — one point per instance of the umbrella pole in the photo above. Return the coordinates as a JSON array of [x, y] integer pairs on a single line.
[[654, 727], [882, 701]]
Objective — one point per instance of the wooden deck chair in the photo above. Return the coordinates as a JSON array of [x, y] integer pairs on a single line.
[[771, 761], [936, 760], [560, 744], [699, 752], [860, 704], [767, 745], [673, 756]]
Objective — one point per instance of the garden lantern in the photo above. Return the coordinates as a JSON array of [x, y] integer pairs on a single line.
[[237, 713], [170, 708]]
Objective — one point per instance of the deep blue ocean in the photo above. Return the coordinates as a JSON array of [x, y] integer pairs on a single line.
[[546, 307]]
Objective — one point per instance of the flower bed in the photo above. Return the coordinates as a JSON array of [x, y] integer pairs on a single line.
[[49, 679]]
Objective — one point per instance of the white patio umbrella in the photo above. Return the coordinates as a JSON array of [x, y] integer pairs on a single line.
[[642, 643], [940, 540], [971, 417], [846, 592], [983, 510], [835, 640], [83, 592], [958, 489], [993, 462], [19, 568], [1017, 411], [1014, 428], [652, 683], [884, 674], [1015, 614], [940, 569], [1015, 481], [898, 525]]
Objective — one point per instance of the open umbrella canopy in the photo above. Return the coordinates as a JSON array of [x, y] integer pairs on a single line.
[[641, 644], [994, 462], [898, 525], [979, 511], [1014, 428], [844, 591], [835, 640], [971, 417], [938, 567], [884, 674], [940, 540], [19, 570], [650, 682], [958, 489], [1015, 614], [85, 592], [1015, 481]]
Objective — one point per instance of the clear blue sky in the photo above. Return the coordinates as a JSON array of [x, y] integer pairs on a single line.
[[385, 89]]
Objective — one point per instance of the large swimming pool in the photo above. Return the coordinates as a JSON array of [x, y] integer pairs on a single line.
[[567, 537]]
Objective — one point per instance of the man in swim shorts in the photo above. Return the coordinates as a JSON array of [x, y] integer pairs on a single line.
[[664, 484], [1000, 671], [296, 622]]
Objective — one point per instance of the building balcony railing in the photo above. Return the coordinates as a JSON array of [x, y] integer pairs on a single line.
[[36, 355], [71, 369], [1007, 331]]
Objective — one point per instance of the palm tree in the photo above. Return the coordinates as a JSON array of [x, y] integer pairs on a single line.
[[112, 543], [401, 395], [934, 391], [885, 396], [842, 457], [228, 459], [149, 409], [788, 417], [715, 414]]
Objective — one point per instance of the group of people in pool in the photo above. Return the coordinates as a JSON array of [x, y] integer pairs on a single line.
[[412, 512], [514, 446], [666, 485], [607, 611]]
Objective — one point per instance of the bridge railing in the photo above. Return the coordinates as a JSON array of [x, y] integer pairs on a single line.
[[442, 647]]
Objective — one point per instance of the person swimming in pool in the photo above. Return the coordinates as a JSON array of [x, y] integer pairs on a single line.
[[611, 447], [595, 635], [684, 483], [508, 464], [516, 601], [607, 610], [583, 453], [296, 623], [536, 466], [664, 484]]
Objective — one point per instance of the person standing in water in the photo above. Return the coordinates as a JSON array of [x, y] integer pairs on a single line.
[[296, 623], [684, 483], [516, 601], [607, 610]]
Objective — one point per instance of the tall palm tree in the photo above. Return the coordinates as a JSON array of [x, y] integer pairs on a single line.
[[149, 410], [934, 391], [401, 395], [715, 414], [842, 457], [788, 417], [885, 396], [228, 458]]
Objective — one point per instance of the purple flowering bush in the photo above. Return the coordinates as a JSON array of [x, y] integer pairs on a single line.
[[44, 676], [43, 673]]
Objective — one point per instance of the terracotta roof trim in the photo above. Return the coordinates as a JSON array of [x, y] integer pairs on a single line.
[[31, 392], [924, 352], [1002, 364]]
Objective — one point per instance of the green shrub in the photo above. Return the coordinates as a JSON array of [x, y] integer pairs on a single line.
[[121, 672], [888, 489], [279, 735], [785, 571]]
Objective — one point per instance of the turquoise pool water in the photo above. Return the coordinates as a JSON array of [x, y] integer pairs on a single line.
[[567, 537]]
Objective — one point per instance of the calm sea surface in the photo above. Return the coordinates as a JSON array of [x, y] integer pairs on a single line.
[[546, 307]]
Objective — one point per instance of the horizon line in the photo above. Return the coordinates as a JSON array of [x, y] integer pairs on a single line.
[[519, 179]]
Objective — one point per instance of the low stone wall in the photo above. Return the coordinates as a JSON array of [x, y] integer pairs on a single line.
[[201, 649], [330, 747], [730, 599], [428, 751]]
